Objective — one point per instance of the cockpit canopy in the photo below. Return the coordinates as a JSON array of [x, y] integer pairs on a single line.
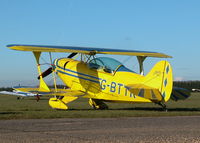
[[107, 64]]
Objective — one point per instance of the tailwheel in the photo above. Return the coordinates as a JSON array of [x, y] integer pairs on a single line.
[[98, 104], [164, 107]]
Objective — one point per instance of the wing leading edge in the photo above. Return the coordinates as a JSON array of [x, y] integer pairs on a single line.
[[57, 92], [86, 50]]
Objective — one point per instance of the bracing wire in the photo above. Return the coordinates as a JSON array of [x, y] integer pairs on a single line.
[[128, 59]]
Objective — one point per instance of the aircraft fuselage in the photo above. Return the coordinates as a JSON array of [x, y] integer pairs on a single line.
[[100, 84]]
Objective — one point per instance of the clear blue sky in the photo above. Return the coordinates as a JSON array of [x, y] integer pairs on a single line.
[[171, 27]]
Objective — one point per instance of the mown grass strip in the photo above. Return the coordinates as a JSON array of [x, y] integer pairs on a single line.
[[28, 108]]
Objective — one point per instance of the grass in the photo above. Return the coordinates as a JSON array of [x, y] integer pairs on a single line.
[[28, 108]]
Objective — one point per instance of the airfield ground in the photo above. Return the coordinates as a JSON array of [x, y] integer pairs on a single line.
[[29, 108], [99, 130], [30, 121]]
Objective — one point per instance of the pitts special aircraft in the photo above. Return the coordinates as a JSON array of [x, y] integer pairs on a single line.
[[103, 79]]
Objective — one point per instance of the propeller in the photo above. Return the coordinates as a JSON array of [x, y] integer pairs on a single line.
[[50, 70], [72, 55], [46, 73]]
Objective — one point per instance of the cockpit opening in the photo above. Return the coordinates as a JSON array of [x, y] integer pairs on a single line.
[[108, 65]]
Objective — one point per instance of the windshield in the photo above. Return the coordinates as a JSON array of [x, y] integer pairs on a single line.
[[108, 64]]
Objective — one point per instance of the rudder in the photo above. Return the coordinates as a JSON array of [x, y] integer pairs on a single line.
[[160, 77]]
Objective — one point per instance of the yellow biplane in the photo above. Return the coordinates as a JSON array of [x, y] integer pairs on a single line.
[[103, 79]]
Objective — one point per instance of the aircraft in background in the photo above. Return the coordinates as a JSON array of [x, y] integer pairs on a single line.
[[21, 94], [103, 79], [195, 90]]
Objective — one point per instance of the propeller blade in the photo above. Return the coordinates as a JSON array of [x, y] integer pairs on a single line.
[[50, 70], [47, 72], [71, 55]]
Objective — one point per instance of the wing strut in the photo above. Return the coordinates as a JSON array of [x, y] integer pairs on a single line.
[[43, 86], [141, 60]]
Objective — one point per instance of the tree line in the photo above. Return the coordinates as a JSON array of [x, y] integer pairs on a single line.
[[11, 89], [187, 84], [6, 89], [183, 84]]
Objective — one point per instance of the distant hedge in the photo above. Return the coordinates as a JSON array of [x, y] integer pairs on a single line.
[[6, 89], [187, 84], [11, 89], [184, 84]]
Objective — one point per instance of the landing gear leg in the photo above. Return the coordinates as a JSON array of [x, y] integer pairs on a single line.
[[97, 104]]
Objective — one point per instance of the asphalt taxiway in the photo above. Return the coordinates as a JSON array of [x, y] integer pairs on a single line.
[[135, 129]]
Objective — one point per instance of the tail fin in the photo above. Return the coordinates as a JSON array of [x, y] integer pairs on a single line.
[[160, 77]]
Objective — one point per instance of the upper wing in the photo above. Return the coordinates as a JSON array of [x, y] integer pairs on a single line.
[[85, 50]]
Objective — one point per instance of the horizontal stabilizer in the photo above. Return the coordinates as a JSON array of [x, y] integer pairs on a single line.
[[145, 91], [180, 94]]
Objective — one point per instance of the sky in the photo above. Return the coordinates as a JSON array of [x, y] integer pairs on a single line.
[[167, 26]]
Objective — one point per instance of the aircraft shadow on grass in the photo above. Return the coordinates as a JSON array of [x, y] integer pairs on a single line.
[[147, 109], [9, 112], [160, 109]]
